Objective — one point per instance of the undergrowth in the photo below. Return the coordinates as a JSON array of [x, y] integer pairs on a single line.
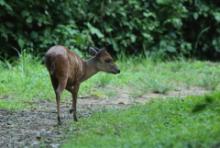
[[27, 79]]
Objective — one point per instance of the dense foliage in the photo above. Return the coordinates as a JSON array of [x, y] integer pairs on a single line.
[[164, 27]]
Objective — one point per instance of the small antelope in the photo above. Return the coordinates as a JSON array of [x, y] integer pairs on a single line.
[[67, 71]]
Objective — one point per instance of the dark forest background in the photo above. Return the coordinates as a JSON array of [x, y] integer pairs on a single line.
[[166, 28]]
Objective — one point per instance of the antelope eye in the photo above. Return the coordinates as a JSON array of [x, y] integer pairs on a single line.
[[108, 61]]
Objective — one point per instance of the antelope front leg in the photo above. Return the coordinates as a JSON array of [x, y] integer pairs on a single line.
[[74, 92], [58, 92]]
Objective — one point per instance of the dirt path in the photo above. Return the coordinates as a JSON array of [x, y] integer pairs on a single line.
[[37, 127]]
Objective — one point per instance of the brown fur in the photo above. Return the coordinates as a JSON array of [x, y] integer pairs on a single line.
[[67, 71]]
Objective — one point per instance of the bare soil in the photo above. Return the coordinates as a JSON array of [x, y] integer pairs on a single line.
[[38, 126]]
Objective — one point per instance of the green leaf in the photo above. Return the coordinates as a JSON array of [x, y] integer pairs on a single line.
[[115, 45], [217, 16], [164, 2], [149, 14], [171, 49], [195, 16], [133, 38], [4, 4], [29, 20], [146, 35], [21, 43], [25, 13], [34, 35], [95, 30]]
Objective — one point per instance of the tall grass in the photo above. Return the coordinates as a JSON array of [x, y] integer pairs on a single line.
[[27, 80]]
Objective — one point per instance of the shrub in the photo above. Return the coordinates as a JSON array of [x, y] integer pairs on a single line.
[[162, 27]]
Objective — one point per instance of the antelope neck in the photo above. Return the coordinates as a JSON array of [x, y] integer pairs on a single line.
[[90, 68]]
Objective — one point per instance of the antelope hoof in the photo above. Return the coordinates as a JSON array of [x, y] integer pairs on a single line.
[[59, 121], [71, 111], [75, 119]]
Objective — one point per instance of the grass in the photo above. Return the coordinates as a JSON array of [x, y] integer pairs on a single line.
[[192, 122], [27, 80]]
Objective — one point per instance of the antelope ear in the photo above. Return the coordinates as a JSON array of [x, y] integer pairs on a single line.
[[92, 51], [102, 50]]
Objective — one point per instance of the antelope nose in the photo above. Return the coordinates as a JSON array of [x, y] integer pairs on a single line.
[[118, 71]]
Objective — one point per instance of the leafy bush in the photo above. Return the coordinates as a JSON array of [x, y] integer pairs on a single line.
[[162, 27]]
